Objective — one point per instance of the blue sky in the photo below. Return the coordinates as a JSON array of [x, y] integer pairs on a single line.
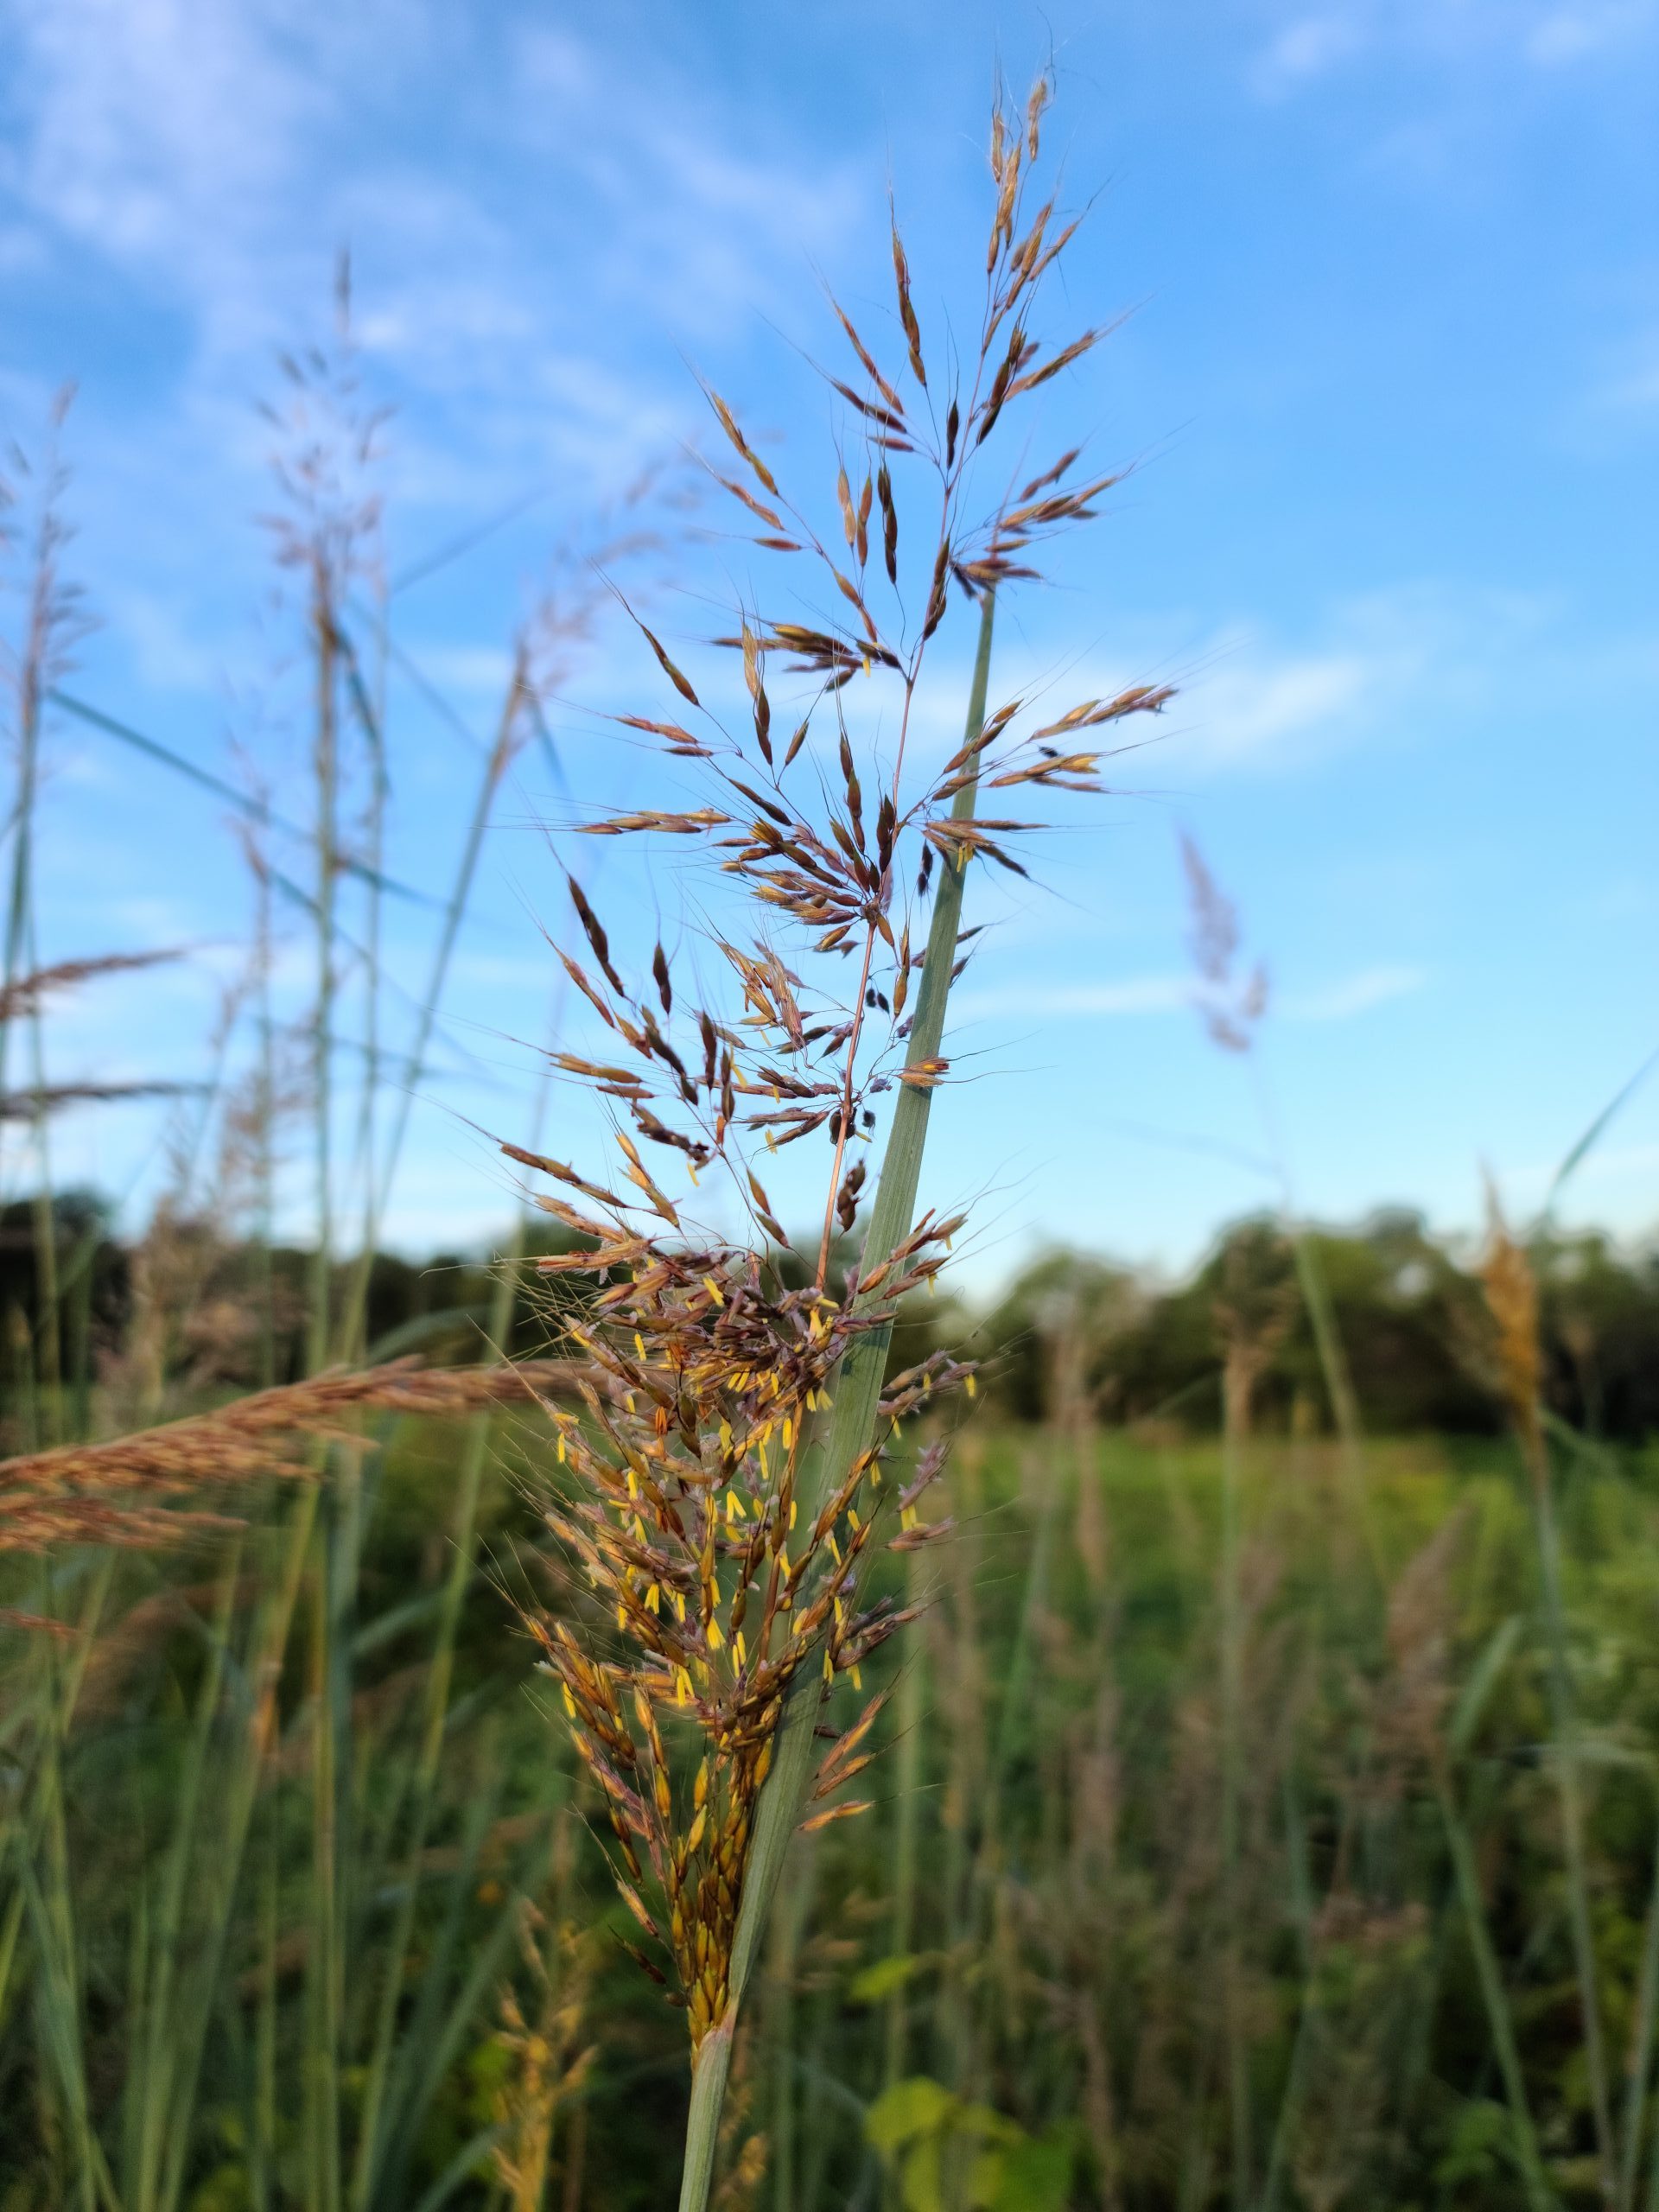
[[1390, 377]]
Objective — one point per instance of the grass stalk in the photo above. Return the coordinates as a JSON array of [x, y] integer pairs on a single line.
[[1639, 2064], [1236, 1400], [1563, 1727], [911, 1706], [152, 2085], [326, 650], [414, 1069], [787, 1927], [324, 1964], [855, 1395], [1500, 2024], [435, 1706]]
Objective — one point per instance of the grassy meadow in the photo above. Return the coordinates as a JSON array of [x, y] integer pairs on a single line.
[[415, 1684], [1107, 1906]]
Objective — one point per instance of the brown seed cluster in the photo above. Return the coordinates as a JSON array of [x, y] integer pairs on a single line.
[[726, 1550], [118, 1493]]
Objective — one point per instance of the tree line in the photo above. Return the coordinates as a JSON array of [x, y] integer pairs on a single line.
[[1073, 1331]]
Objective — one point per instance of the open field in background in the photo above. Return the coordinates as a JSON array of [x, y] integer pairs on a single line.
[[1062, 1946]]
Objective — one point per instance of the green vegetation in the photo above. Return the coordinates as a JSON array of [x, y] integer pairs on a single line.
[[1049, 2016]]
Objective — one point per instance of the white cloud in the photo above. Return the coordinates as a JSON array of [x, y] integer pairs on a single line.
[[1309, 48], [1352, 994], [1565, 35], [1628, 386], [220, 154], [1545, 34], [1064, 1001], [1341, 1000], [1257, 705], [1385, 666], [161, 133], [531, 229]]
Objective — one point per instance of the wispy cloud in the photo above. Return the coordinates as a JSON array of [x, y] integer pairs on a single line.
[[1353, 995], [1341, 1000], [1626, 392], [1375, 669], [1260, 704], [1063, 1002], [217, 156], [1314, 43], [1309, 48]]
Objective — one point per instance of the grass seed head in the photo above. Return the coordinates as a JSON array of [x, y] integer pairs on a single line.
[[690, 1494]]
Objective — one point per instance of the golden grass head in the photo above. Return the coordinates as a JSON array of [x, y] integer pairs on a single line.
[[1512, 1294], [725, 1553]]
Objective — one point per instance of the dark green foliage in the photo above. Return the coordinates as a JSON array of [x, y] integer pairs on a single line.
[[1410, 1320]]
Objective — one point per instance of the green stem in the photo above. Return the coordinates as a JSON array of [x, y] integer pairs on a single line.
[[327, 765], [1640, 2063], [907, 1788], [454, 911], [856, 1393], [373, 2130], [325, 1991], [1540, 2196], [1235, 1398], [1564, 1730]]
